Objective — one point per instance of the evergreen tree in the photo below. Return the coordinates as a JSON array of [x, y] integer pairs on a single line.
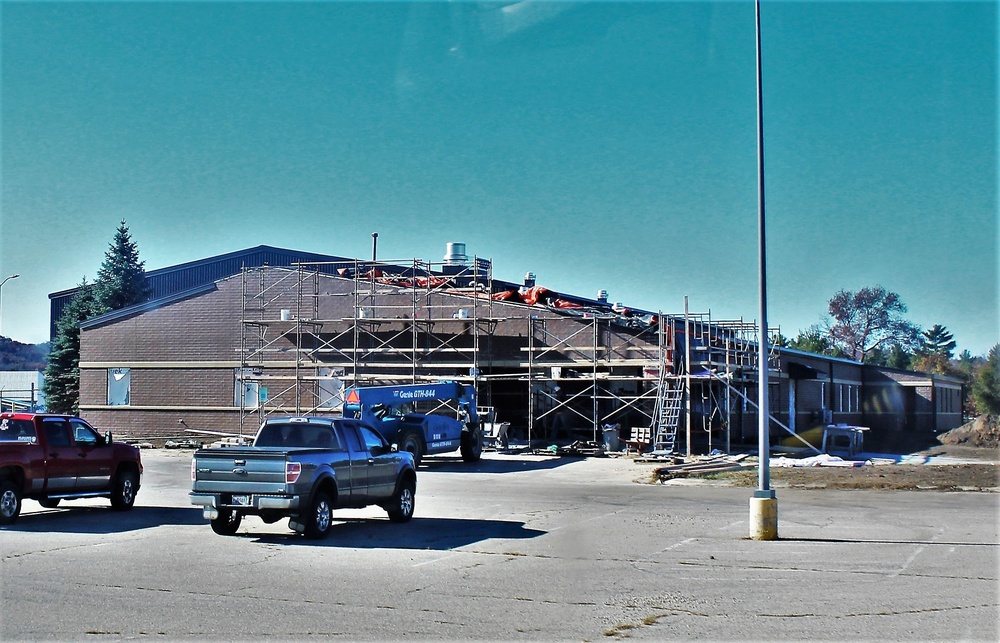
[[62, 374], [121, 280], [986, 384], [965, 366], [815, 340], [937, 341], [899, 358], [878, 356]]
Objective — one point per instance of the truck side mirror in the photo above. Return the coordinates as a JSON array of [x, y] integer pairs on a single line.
[[107, 438]]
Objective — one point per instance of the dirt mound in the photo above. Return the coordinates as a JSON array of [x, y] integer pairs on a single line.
[[984, 431]]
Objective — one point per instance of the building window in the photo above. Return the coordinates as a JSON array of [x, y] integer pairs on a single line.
[[246, 392], [119, 386], [846, 398]]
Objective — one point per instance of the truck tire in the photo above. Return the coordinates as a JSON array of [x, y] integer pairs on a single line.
[[320, 516], [10, 502], [413, 442], [49, 503], [227, 523], [472, 445], [401, 507], [123, 490]]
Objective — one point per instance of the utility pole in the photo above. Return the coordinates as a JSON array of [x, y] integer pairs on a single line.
[[687, 375], [764, 504]]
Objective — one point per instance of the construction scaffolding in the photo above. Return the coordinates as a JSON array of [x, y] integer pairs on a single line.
[[303, 341], [554, 374]]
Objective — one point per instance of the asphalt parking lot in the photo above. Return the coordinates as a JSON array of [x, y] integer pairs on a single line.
[[513, 547]]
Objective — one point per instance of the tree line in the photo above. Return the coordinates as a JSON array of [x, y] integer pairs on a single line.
[[870, 326]]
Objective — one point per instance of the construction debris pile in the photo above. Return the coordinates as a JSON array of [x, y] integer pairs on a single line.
[[984, 431], [542, 296]]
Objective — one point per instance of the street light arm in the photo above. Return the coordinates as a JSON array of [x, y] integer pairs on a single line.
[[14, 276]]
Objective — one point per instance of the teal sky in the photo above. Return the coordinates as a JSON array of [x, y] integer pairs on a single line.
[[599, 145]]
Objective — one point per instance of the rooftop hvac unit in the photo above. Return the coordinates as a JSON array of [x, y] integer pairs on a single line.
[[454, 254]]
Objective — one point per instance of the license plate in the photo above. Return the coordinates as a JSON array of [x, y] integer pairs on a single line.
[[243, 501]]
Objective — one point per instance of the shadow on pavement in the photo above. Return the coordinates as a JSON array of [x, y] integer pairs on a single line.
[[440, 534], [103, 520], [455, 464]]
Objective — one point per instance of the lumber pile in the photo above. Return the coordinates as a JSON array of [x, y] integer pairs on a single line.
[[702, 467]]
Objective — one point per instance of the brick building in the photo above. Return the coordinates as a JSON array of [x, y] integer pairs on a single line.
[[234, 338]]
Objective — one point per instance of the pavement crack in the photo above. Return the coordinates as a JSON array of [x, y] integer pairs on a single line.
[[927, 610]]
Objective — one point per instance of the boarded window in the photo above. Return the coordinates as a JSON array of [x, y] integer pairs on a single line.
[[246, 392], [119, 386]]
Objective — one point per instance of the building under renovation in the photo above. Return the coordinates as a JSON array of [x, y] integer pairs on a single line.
[[229, 340]]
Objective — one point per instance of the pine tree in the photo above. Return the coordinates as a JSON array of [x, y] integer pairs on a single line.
[[936, 340], [986, 384], [899, 357], [62, 374], [121, 280]]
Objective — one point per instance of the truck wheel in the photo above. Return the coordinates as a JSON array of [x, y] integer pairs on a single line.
[[320, 517], [10, 502], [49, 503], [411, 441], [472, 445], [123, 491], [401, 509], [227, 523]]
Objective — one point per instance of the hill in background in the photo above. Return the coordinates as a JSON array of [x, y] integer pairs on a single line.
[[15, 356]]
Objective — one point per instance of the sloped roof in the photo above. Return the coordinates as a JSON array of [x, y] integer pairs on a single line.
[[167, 282], [164, 281]]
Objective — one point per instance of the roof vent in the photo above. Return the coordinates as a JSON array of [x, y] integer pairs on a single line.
[[454, 254], [529, 280], [602, 296]]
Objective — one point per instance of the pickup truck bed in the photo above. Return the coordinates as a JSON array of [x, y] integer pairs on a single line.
[[302, 468]]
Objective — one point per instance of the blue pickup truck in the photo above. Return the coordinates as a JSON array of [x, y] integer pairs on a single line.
[[302, 468]]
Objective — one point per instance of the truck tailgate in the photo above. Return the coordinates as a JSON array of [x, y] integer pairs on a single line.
[[244, 470]]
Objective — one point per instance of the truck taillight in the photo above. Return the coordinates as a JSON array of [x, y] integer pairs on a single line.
[[194, 469], [292, 472]]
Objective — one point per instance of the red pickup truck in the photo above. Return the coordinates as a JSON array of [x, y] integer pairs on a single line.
[[49, 458]]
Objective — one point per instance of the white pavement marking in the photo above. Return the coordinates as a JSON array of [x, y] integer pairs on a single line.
[[914, 555], [676, 545], [436, 560]]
